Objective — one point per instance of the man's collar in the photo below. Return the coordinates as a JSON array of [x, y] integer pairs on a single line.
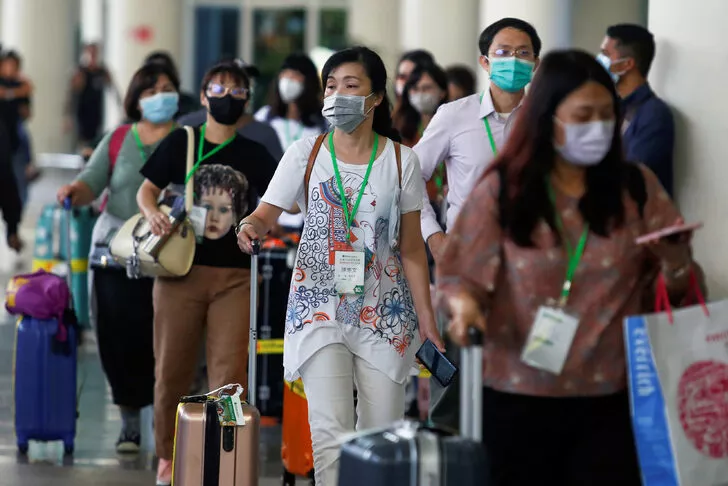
[[639, 95], [486, 103]]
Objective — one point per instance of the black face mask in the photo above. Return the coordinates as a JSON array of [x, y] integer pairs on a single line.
[[226, 110]]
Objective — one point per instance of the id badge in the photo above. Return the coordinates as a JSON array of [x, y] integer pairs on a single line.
[[550, 339], [349, 273], [198, 218]]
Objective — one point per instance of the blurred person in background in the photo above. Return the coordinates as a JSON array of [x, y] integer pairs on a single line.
[[648, 129], [121, 307], [461, 82], [213, 299], [467, 135], [9, 197], [407, 63], [16, 108], [85, 103], [547, 237], [294, 112], [188, 102]]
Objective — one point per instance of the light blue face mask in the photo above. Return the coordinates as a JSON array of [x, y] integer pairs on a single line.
[[605, 61], [160, 108], [511, 74]]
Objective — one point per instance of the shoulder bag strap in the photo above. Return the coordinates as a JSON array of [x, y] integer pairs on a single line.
[[398, 156], [117, 140], [190, 186], [311, 161]]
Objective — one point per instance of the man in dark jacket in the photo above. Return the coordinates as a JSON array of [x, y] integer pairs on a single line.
[[9, 197]]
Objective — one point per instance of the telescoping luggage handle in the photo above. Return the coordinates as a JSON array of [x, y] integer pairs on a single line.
[[471, 387], [67, 206], [253, 347]]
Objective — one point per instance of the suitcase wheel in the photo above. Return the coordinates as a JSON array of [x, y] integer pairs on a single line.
[[289, 479], [23, 448], [68, 449]]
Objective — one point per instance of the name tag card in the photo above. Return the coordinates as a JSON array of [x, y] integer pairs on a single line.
[[349, 273], [550, 339]]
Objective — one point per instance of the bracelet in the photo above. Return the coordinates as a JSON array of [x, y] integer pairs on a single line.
[[240, 225]]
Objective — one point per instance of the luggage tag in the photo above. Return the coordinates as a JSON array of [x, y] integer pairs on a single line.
[[550, 339], [198, 218], [349, 272], [229, 407]]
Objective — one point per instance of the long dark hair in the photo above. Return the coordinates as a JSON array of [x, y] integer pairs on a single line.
[[528, 157], [310, 102], [374, 67], [405, 117]]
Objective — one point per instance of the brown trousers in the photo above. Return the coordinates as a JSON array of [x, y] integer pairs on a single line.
[[208, 298]]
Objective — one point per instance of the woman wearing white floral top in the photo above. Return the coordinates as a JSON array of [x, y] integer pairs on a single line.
[[360, 302]]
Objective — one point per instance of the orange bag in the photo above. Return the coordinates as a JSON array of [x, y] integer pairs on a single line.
[[296, 450]]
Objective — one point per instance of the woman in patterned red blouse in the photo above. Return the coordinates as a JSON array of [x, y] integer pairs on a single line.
[[543, 260]]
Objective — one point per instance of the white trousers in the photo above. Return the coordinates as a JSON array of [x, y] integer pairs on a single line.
[[329, 377]]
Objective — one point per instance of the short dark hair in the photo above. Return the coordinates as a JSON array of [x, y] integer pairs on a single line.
[[229, 69], [418, 56], [636, 42], [161, 57], [145, 77], [463, 77], [13, 56], [487, 36], [309, 103]]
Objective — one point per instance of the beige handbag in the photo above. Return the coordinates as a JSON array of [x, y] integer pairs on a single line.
[[171, 258]]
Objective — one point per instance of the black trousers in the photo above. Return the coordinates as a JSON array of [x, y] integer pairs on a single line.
[[580, 441], [125, 331]]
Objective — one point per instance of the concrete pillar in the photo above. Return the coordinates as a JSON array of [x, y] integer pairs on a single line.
[[449, 30], [43, 33], [375, 24], [92, 21], [687, 73], [134, 29], [591, 19]]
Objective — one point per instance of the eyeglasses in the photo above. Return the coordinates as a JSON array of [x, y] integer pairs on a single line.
[[519, 53], [218, 90]]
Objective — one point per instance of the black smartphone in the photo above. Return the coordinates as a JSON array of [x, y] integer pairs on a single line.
[[442, 369]]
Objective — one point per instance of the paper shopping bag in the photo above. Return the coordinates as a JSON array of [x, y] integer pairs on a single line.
[[678, 381]]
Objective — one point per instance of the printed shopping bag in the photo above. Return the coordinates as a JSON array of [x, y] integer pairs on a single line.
[[678, 381]]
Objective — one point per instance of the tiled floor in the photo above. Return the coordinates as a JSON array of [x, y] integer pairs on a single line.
[[94, 462]]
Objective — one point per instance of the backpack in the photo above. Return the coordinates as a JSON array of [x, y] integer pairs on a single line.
[[117, 140]]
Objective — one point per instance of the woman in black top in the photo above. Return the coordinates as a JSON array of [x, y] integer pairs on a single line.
[[215, 295]]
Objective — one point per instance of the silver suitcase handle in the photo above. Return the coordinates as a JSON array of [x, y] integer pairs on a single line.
[[253, 346], [471, 387]]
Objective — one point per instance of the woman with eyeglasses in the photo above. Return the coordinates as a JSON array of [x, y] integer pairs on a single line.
[[124, 331], [230, 173]]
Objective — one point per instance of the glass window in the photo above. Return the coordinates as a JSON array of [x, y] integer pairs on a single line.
[[278, 33], [332, 31], [216, 37]]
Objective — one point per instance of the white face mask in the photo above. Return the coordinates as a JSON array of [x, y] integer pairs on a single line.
[[290, 89], [586, 144], [424, 103]]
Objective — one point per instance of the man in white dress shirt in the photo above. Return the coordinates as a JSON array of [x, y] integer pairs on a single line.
[[467, 135]]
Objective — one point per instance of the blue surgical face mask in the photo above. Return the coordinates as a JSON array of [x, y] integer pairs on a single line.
[[510, 74], [605, 61], [159, 108]]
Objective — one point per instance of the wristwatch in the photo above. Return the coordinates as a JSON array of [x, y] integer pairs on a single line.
[[240, 225]]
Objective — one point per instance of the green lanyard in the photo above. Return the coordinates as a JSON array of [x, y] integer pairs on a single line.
[[573, 254], [290, 140], [487, 129], [138, 140], [201, 157], [349, 216]]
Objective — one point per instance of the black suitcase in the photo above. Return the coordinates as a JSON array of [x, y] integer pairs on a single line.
[[276, 269], [411, 454]]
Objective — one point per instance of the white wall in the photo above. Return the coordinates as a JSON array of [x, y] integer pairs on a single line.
[[689, 73], [375, 24], [592, 17]]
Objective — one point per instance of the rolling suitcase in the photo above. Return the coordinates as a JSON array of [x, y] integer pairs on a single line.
[[410, 454], [207, 453], [50, 250], [44, 373]]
